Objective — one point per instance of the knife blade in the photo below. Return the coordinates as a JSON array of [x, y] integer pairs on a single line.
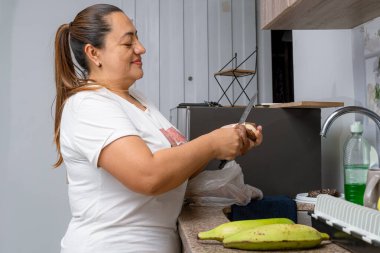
[[242, 119], [247, 110]]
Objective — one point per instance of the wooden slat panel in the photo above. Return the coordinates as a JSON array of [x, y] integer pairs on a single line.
[[306, 104]]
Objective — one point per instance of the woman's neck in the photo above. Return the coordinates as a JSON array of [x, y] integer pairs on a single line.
[[119, 88], [125, 94]]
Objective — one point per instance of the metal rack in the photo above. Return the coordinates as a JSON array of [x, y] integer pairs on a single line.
[[236, 73]]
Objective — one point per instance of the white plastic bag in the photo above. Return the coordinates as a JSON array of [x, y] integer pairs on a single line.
[[223, 187]]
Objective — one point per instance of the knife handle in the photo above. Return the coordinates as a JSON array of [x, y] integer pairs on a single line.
[[222, 164]]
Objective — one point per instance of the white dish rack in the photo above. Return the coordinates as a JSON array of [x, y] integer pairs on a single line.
[[351, 218]]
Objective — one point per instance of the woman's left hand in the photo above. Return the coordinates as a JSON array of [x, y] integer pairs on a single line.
[[251, 135]]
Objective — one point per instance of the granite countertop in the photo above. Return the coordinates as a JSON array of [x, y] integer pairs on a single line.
[[192, 220]]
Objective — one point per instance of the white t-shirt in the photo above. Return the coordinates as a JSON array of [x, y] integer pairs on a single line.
[[107, 217]]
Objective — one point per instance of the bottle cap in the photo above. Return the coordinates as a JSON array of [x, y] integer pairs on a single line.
[[357, 127]]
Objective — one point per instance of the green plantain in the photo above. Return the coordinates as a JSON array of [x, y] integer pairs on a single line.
[[276, 237], [220, 232]]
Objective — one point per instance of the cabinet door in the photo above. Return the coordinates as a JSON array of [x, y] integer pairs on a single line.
[[271, 9]]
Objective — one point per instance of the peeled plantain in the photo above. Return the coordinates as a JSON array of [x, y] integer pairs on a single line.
[[276, 237], [227, 229]]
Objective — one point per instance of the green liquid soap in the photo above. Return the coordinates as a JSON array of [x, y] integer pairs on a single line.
[[354, 193], [355, 182]]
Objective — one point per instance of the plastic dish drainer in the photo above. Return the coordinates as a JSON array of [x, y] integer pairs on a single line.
[[351, 218]]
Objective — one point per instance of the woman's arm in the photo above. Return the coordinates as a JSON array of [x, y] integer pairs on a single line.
[[130, 160]]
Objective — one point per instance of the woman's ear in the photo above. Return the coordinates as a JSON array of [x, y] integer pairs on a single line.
[[92, 54]]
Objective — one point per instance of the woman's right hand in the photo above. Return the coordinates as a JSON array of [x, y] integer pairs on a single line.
[[229, 141]]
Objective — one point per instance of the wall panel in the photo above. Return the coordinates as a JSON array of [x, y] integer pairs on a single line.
[[220, 46], [171, 55], [129, 7], [147, 23], [196, 51], [244, 43], [183, 38]]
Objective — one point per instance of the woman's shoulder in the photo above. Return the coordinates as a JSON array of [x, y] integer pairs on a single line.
[[100, 94], [89, 100]]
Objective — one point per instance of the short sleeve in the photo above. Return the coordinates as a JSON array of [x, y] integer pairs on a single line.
[[98, 122]]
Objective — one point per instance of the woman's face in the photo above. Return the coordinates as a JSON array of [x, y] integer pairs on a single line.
[[121, 55]]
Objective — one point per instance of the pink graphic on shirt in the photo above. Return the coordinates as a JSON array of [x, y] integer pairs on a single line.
[[174, 137]]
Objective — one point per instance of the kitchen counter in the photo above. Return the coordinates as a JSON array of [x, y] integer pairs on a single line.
[[192, 220]]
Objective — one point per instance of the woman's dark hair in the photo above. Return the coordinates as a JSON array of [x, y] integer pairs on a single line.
[[90, 26]]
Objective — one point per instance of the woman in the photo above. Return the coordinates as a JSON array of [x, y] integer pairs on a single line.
[[127, 166]]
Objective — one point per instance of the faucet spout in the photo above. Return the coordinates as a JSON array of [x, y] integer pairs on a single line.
[[349, 109]]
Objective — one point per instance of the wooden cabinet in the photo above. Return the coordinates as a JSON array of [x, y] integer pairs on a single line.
[[316, 14]]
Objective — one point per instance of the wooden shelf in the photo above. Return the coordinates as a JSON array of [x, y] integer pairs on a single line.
[[235, 72], [316, 14], [303, 104]]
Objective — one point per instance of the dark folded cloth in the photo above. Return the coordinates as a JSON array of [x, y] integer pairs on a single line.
[[268, 207]]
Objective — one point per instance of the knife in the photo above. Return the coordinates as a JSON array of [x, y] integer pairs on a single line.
[[242, 119], [247, 110]]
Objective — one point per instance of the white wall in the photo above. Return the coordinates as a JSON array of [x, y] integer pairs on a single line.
[[328, 66], [33, 203], [264, 75], [187, 42], [34, 210]]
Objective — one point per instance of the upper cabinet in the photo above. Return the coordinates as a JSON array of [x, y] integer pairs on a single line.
[[316, 14]]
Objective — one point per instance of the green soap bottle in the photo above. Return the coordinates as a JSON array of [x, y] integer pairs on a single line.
[[356, 159]]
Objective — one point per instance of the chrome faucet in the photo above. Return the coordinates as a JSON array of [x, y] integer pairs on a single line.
[[353, 109], [349, 109]]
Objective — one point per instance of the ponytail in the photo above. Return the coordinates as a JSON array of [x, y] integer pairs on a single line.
[[64, 71], [66, 81]]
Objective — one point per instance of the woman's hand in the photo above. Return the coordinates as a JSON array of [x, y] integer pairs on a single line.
[[228, 142], [233, 140], [254, 133], [236, 139]]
